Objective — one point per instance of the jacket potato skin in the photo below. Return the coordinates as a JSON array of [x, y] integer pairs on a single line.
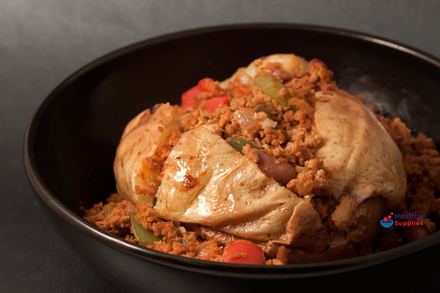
[[289, 63], [360, 156], [208, 182], [136, 178]]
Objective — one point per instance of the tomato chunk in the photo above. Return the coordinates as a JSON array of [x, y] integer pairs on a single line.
[[216, 102], [243, 252], [188, 100]]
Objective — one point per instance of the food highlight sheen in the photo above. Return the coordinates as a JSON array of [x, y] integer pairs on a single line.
[[275, 165]]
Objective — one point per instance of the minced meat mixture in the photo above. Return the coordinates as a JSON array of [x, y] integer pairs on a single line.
[[282, 129]]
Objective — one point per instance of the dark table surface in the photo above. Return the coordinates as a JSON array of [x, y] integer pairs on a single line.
[[42, 42]]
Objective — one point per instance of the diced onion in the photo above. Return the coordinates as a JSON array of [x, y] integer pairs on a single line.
[[245, 119], [268, 123], [244, 78]]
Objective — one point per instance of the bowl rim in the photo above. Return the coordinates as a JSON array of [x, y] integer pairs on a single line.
[[196, 265]]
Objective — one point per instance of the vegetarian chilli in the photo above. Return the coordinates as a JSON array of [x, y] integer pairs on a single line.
[[275, 165]]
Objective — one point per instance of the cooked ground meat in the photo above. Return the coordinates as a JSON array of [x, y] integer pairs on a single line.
[[285, 139]]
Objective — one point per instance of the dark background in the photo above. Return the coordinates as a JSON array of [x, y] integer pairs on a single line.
[[42, 42]]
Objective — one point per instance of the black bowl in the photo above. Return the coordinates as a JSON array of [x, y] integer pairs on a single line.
[[71, 141]]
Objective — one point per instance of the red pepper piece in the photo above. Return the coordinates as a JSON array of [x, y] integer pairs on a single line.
[[216, 102]]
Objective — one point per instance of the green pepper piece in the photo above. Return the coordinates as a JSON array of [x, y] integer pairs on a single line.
[[110, 206], [293, 108], [270, 116], [270, 87], [143, 236], [238, 143]]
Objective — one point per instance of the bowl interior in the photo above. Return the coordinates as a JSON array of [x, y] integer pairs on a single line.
[[75, 132]]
